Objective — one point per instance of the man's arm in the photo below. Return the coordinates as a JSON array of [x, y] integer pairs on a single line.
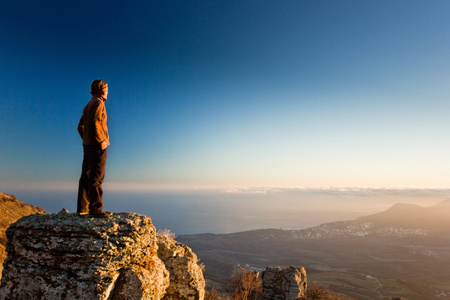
[[81, 127], [101, 130]]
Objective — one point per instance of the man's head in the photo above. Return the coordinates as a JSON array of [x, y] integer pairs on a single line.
[[99, 88]]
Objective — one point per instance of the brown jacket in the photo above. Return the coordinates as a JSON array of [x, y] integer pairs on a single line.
[[92, 126]]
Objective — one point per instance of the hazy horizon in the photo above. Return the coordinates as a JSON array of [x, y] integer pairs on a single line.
[[239, 209]]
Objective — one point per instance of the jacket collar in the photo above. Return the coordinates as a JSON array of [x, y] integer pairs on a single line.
[[99, 98]]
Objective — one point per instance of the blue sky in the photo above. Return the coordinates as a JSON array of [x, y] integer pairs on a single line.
[[229, 93]]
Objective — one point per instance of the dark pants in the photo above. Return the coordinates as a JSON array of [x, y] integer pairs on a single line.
[[92, 175]]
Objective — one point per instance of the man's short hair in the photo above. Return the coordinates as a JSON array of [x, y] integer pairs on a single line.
[[97, 87]]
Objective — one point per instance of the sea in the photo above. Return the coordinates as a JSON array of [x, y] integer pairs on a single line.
[[185, 212]]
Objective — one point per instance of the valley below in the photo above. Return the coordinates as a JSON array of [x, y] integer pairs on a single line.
[[403, 252]]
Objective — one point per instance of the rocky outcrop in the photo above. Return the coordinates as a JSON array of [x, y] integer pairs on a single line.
[[64, 256], [186, 276], [286, 284]]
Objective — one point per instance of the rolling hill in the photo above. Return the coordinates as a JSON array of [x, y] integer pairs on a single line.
[[11, 210]]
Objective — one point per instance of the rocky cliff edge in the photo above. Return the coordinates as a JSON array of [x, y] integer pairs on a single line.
[[65, 256]]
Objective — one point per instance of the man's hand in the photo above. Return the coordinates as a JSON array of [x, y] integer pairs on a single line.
[[104, 145]]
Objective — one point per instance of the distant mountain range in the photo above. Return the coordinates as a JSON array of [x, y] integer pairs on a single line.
[[414, 216], [401, 220], [402, 252]]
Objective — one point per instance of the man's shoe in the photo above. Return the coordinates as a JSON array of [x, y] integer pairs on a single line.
[[101, 214], [82, 213]]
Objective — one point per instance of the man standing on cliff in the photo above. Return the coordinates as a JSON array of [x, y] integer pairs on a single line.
[[94, 132]]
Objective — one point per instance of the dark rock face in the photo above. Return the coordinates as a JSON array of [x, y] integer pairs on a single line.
[[288, 284], [64, 256]]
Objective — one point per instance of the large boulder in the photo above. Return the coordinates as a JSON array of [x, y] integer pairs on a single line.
[[65, 256]]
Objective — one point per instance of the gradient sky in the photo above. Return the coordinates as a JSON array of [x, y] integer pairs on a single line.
[[229, 93]]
